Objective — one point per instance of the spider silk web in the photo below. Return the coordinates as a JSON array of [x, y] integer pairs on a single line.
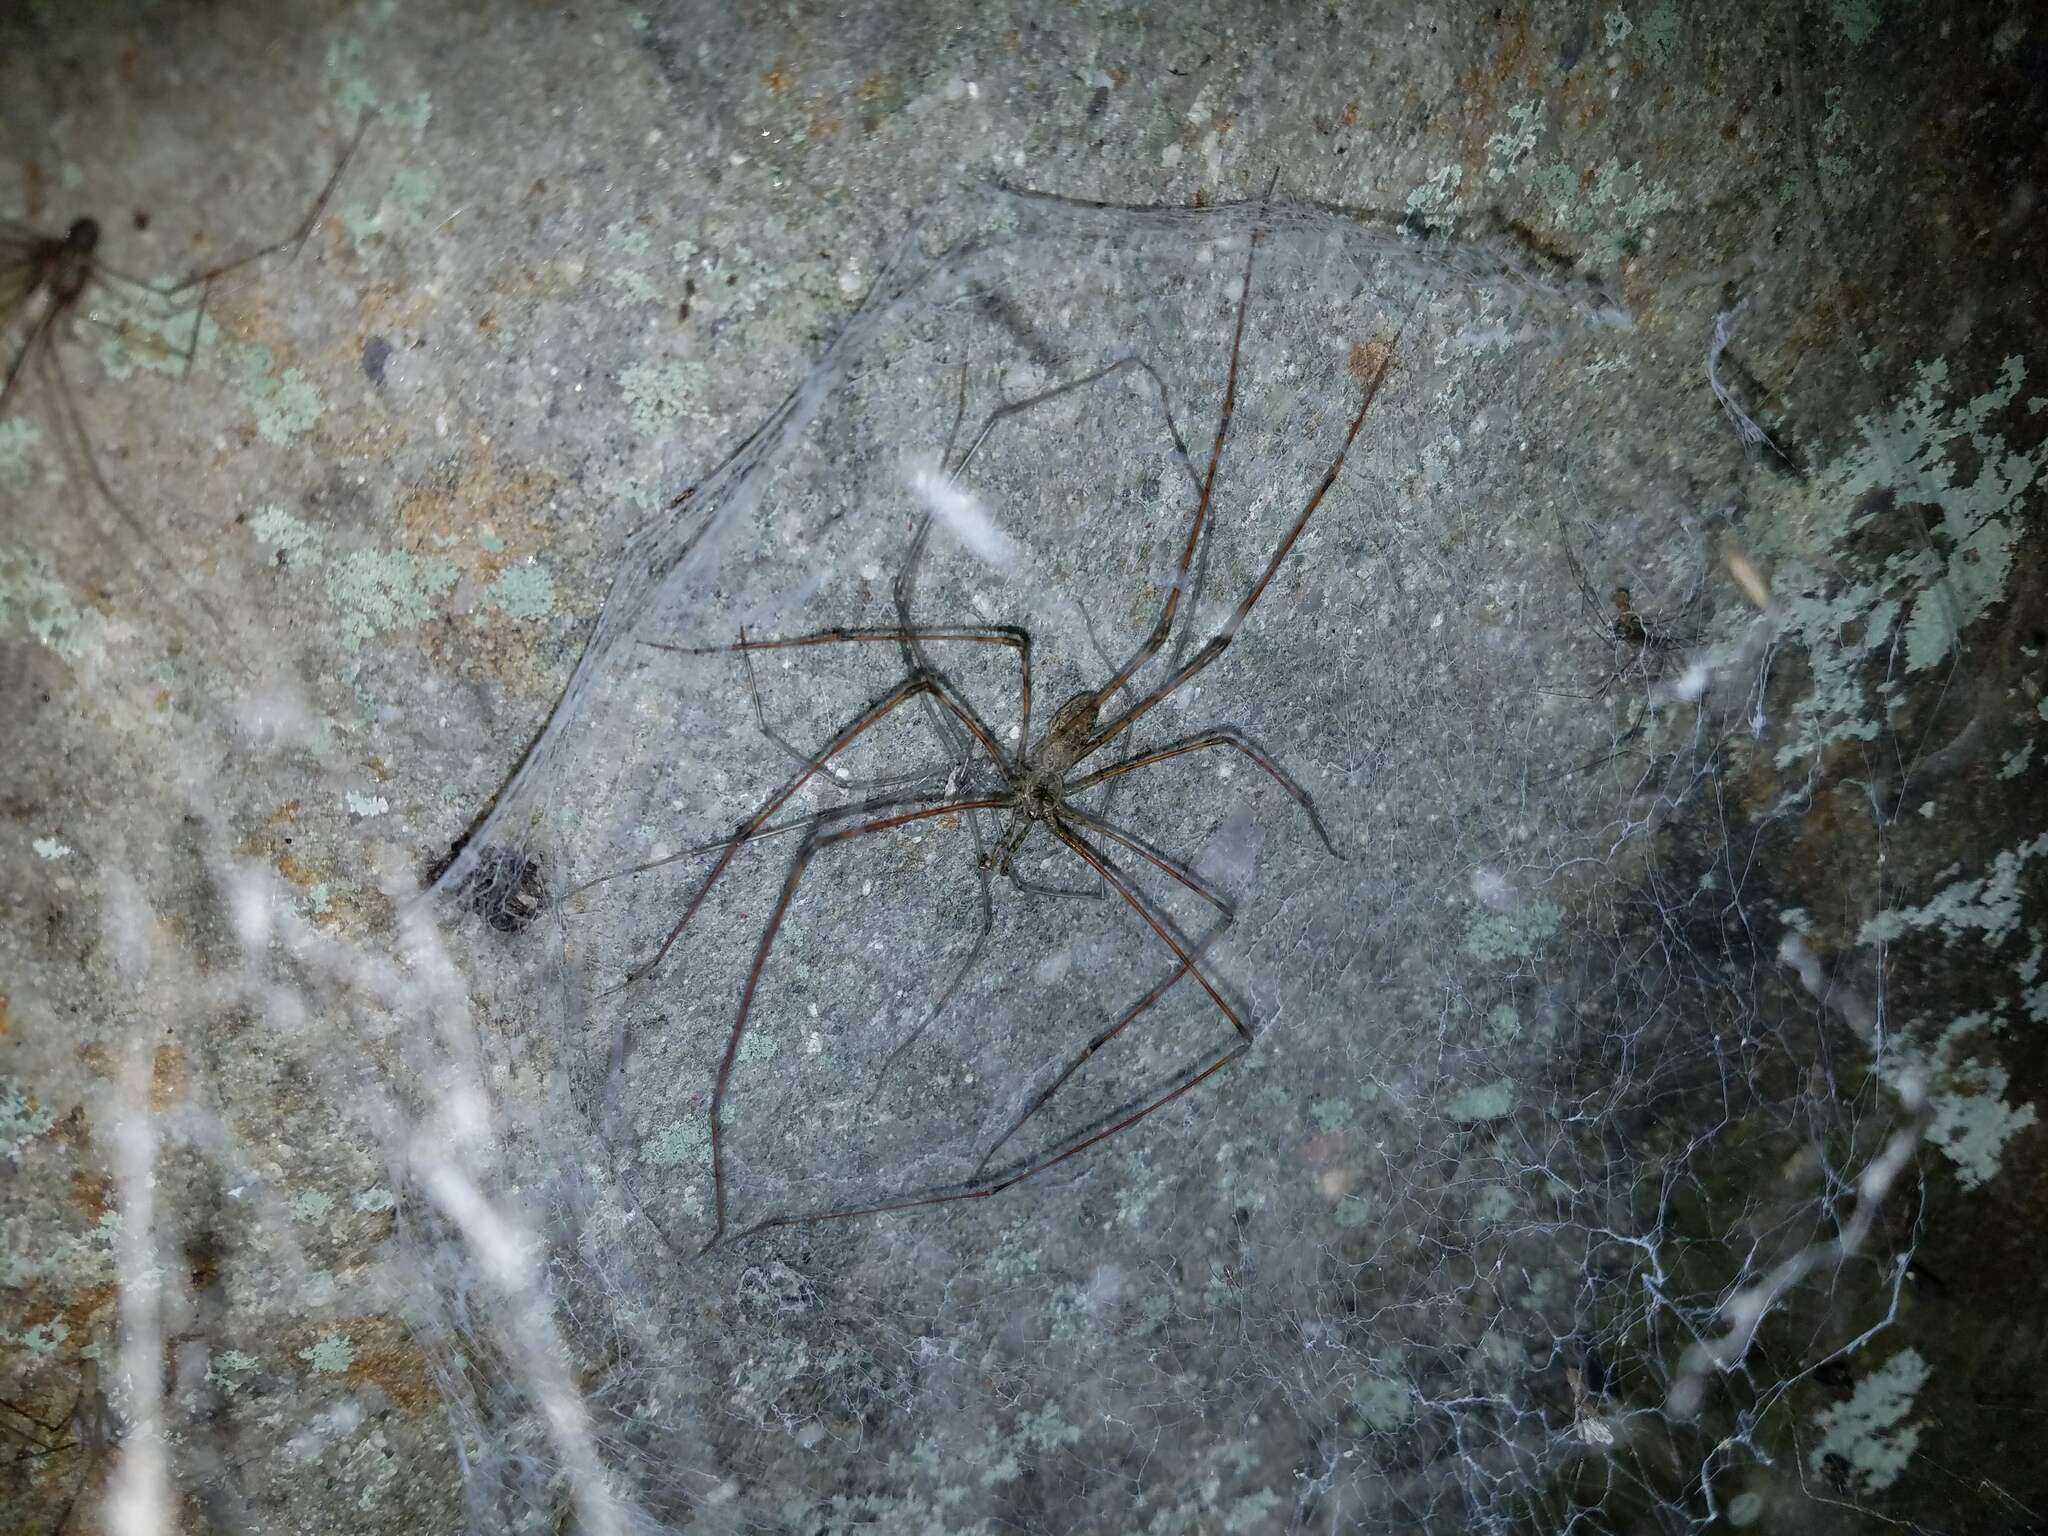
[[1562, 1165], [1456, 1241]]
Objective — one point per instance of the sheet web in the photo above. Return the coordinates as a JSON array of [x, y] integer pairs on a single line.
[[1465, 1215]]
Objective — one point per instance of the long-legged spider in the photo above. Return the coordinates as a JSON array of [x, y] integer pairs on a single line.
[[63, 270], [1035, 789]]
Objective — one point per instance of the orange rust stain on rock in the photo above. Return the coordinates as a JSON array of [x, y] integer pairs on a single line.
[[87, 1313], [6, 1021], [777, 79], [1480, 87], [824, 123], [92, 1192], [386, 1357], [166, 1077], [1367, 359], [444, 514]]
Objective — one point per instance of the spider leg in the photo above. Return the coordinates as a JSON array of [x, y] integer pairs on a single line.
[[1100, 863], [39, 334], [909, 688], [814, 845], [904, 590], [206, 277], [1188, 878], [1156, 641], [834, 813], [989, 634], [1152, 855], [1012, 408], [20, 276], [74, 426], [1130, 1016], [1221, 736], [1220, 641], [1033, 888], [293, 242], [980, 1188], [768, 731], [948, 723]]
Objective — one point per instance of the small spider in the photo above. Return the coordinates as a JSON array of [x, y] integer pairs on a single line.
[[45, 284]]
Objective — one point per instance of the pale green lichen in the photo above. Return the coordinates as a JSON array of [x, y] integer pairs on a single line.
[[1038, 1430], [1660, 32], [141, 332], [376, 1198], [629, 243], [1329, 1114], [1507, 149], [1483, 1101], [656, 394], [1354, 1213], [50, 849], [230, 1368], [1869, 1432], [1972, 1122], [1383, 1402], [312, 1205], [1940, 580], [1494, 937], [285, 405], [411, 195], [634, 287], [365, 806], [330, 1354], [18, 442], [631, 246], [42, 1339], [524, 592], [353, 92], [1990, 904], [1436, 196], [1858, 20], [32, 595], [378, 591], [21, 1120], [276, 529], [415, 111], [678, 1143], [1494, 1203], [1615, 213]]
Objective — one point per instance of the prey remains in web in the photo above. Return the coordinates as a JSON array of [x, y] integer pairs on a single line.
[[50, 287], [1037, 793]]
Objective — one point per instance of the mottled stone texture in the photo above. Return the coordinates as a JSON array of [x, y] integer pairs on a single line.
[[1642, 1128]]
